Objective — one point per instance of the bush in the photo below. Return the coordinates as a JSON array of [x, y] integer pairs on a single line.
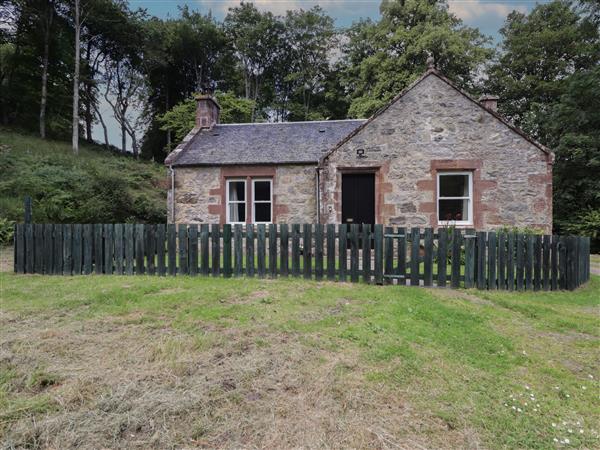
[[7, 231], [586, 223]]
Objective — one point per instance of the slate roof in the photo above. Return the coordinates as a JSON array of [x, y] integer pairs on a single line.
[[261, 143]]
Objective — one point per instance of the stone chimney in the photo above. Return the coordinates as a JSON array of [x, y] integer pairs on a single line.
[[489, 102], [207, 111]]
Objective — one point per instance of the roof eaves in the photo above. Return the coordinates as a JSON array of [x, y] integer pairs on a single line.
[[172, 157]]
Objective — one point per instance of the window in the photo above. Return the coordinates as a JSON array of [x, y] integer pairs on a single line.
[[236, 201], [455, 198], [262, 204]]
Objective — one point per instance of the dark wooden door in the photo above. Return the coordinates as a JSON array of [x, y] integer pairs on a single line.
[[358, 198]]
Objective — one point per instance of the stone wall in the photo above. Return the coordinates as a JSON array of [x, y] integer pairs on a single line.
[[200, 192], [434, 127]]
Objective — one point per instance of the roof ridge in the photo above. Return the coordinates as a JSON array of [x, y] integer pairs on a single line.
[[289, 123]]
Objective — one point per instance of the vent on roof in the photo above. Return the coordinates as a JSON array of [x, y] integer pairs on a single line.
[[322, 130]]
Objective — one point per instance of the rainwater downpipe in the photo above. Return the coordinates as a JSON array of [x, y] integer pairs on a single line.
[[318, 193], [172, 206]]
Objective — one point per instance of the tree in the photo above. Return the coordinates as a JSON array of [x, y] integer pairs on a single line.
[[540, 51], [182, 117], [255, 37], [46, 23], [397, 48], [574, 123], [77, 22]]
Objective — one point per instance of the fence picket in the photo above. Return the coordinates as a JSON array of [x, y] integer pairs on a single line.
[[502, 261], [161, 235], [98, 247], [129, 248], [562, 262], [77, 249], [215, 239], [205, 249], [140, 268], [193, 249], [481, 246], [388, 248], [295, 250], [284, 256], [119, 251], [238, 250], [470, 258], [331, 252], [343, 251], [226, 250], [537, 263], [172, 248], [520, 260], [442, 257], [273, 250], [354, 252], [401, 255], [307, 251], [378, 250], [182, 241], [319, 231], [108, 249], [366, 253], [38, 239], [67, 249], [456, 258], [510, 261], [29, 252], [428, 257], [415, 246], [150, 249], [492, 275], [57, 263], [49, 247], [261, 250], [529, 262], [250, 250]]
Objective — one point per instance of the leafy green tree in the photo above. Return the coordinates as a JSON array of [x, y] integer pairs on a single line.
[[539, 52], [181, 118], [385, 57], [574, 123]]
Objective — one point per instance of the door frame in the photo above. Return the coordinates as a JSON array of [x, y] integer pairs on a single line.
[[376, 170]]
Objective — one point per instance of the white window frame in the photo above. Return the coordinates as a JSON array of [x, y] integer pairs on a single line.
[[254, 201], [440, 174], [229, 202]]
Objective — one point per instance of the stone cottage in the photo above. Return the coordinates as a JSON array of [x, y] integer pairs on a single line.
[[433, 156]]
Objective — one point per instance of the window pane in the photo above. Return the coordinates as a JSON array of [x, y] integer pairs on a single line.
[[237, 191], [262, 190], [454, 185], [262, 212], [453, 210], [237, 212]]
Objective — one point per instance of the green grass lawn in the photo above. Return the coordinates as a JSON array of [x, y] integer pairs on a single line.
[[109, 361]]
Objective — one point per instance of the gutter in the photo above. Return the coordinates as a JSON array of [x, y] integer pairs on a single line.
[[172, 205]]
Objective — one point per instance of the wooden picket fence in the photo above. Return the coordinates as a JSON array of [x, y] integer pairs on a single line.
[[381, 255]]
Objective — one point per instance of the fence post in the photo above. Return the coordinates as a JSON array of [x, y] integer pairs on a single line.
[[331, 252], [238, 250], [307, 250], [215, 236], [469, 258], [226, 250], [342, 250], [366, 253], [319, 237], [415, 247], [284, 260], [272, 250], [481, 244], [442, 257], [260, 249], [193, 249]]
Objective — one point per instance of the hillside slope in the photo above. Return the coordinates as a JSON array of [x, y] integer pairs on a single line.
[[94, 187]]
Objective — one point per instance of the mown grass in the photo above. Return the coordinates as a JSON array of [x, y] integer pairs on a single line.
[[502, 366]]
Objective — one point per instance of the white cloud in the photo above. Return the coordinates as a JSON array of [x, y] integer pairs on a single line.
[[470, 10]]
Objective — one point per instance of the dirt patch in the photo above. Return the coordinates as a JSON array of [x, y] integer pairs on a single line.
[[461, 295], [131, 386]]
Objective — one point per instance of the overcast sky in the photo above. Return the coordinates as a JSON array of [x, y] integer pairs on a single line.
[[487, 15]]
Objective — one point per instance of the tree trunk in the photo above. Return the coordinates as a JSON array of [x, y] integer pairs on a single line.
[[88, 96], [75, 140], [44, 99], [123, 137], [104, 128]]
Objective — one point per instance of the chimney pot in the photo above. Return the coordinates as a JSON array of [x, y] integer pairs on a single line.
[[489, 102], [207, 111]]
